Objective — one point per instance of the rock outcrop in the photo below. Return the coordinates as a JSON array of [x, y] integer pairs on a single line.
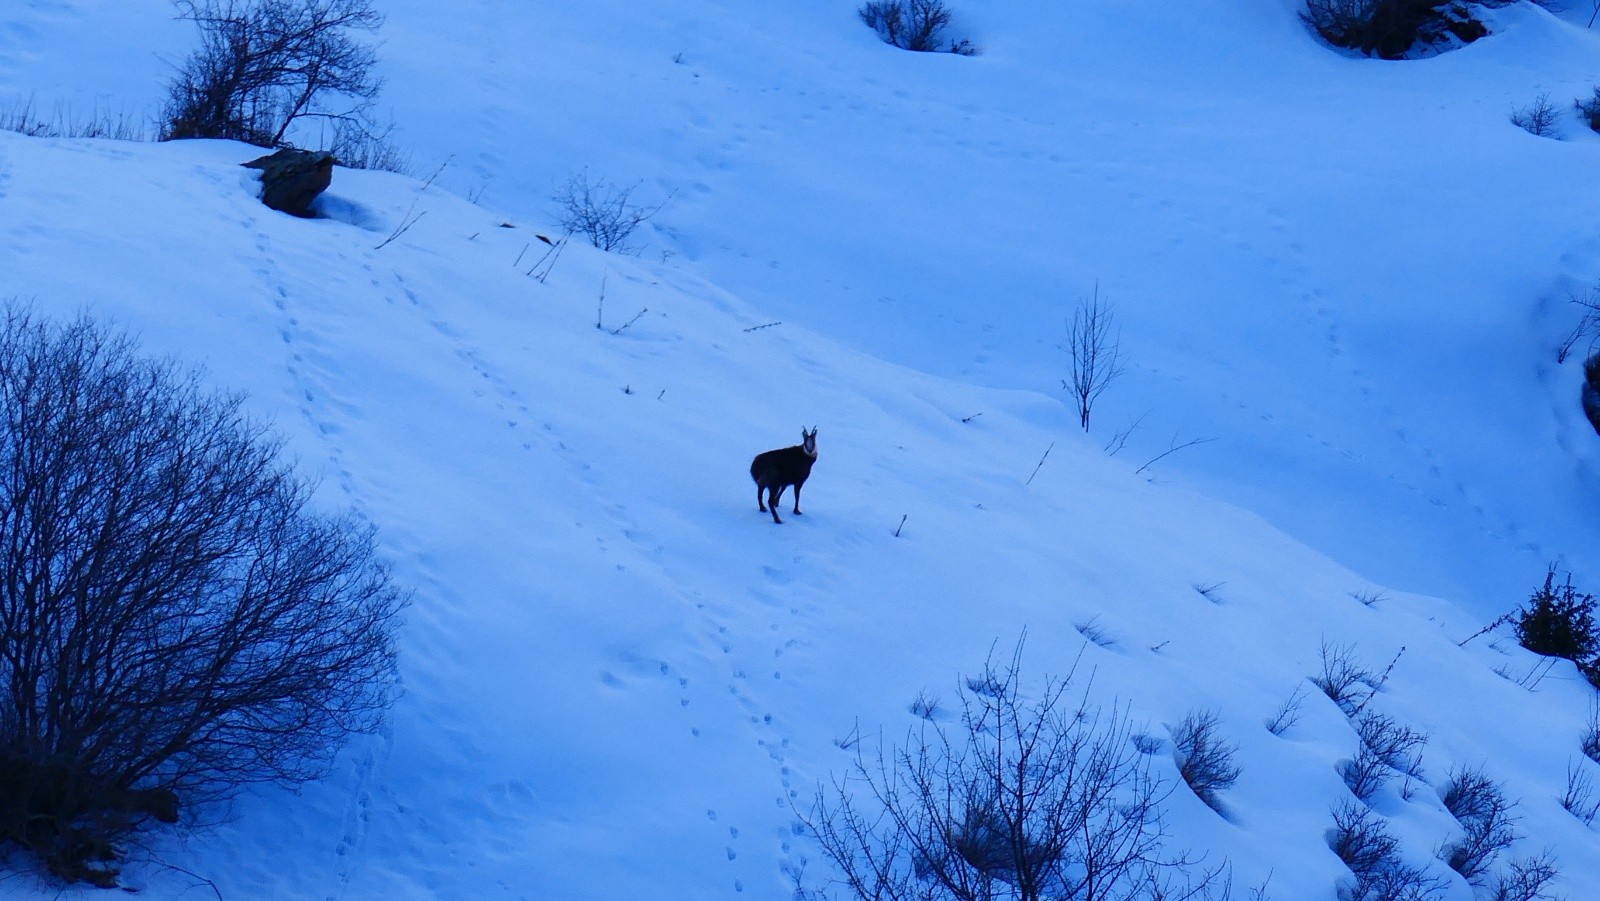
[[292, 179]]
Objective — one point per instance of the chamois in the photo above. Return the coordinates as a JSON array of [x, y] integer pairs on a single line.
[[776, 470]]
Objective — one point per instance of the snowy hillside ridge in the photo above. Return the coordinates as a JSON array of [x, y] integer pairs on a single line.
[[620, 676], [615, 674]]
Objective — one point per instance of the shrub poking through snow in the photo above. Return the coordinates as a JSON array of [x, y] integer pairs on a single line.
[[1525, 879], [1590, 109], [175, 621], [1034, 799], [1387, 748], [1288, 713], [1590, 740], [1479, 804], [1205, 758], [1094, 349], [1365, 846], [1391, 28], [1558, 621], [1579, 798], [1591, 390], [919, 25], [1345, 682], [263, 65], [1537, 118], [601, 213]]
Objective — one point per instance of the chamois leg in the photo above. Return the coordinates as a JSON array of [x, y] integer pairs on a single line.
[[759, 502], [774, 494], [797, 500]]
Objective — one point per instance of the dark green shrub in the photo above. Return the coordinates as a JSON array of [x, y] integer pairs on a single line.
[[1559, 622]]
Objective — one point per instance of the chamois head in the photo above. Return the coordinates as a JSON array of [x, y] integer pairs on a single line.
[[808, 441]]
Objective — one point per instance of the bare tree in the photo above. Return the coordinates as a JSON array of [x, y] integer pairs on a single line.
[[1047, 800], [263, 65], [1096, 353], [174, 620]]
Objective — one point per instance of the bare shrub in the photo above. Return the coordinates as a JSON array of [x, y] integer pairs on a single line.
[[1526, 880], [1479, 804], [1590, 108], [920, 25], [601, 212], [1205, 759], [360, 145], [1384, 28], [1345, 682], [926, 706], [1095, 351], [263, 65], [1021, 800], [1091, 630], [1579, 798], [1590, 740], [1537, 118], [1387, 749], [1288, 712], [175, 621], [1372, 854], [1588, 324]]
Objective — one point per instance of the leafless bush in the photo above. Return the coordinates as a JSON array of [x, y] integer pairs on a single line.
[[1527, 879], [1590, 740], [1021, 801], [601, 212], [1387, 748], [1579, 798], [1096, 633], [1288, 712], [1479, 804], [1205, 759], [920, 25], [1537, 118], [174, 620], [1384, 28], [1588, 324], [1345, 682], [1590, 108], [926, 706], [1095, 352], [263, 65], [1361, 841], [357, 144]]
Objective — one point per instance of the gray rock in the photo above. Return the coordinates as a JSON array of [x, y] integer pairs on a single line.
[[292, 179]]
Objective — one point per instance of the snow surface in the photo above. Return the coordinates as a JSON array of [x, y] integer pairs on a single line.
[[620, 678]]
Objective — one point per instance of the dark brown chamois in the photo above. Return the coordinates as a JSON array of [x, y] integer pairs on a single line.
[[776, 470]]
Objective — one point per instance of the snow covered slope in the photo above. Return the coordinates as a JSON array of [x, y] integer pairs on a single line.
[[619, 676]]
